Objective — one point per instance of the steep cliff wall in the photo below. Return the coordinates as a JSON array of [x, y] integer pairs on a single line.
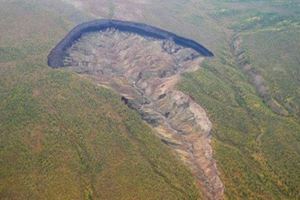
[[56, 56]]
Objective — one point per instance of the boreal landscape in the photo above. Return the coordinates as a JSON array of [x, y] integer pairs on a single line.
[[123, 115]]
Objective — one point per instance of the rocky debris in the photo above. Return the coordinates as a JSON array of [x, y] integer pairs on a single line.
[[144, 71], [170, 47]]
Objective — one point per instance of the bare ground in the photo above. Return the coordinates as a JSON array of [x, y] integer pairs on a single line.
[[144, 71]]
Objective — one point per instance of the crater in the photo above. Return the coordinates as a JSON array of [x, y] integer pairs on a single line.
[[143, 64]]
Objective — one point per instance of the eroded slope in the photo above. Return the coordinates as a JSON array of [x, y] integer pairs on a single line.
[[144, 71]]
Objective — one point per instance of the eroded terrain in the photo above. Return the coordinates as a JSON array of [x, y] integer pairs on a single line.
[[145, 71]]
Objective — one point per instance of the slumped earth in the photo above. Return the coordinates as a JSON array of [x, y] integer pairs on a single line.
[[145, 71]]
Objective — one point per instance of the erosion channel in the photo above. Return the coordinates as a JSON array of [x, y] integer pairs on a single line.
[[144, 67]]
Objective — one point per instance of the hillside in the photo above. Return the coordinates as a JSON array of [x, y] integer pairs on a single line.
[[62, 137], [250, 89]]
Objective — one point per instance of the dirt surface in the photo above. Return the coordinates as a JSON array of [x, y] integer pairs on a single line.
[[144, 71]]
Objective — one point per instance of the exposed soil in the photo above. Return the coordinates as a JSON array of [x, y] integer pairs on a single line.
[[144, 71]]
